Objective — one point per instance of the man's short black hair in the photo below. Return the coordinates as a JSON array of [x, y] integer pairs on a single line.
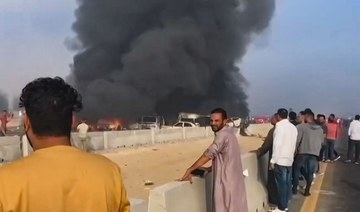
[[292, 115], [49, 104], [321, 115], [302, 113], [310, 113], [357, 117], [283, 113], [221, 111], [332, 115]]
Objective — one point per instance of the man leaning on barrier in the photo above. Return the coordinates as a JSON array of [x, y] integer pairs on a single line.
[[58, 177], [229, 193]]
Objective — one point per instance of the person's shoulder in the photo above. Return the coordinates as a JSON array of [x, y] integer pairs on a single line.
[[17, 167], [98, 160], [271, 131], [99, 164], [224, 133], [299, 125], [290, 125], [96, 157], [281, 123]]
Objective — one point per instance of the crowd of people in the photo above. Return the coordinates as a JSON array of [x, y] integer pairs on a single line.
[[297, 146]]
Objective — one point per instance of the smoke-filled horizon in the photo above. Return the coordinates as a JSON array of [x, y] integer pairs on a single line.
[[143, 57]]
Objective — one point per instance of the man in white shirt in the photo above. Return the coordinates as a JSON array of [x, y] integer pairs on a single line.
[[354, 140], [285, 136], [83, 129]]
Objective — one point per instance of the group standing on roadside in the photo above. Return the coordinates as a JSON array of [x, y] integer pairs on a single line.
[[297, 144]]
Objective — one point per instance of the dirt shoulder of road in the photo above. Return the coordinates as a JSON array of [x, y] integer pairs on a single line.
[[167, 162]]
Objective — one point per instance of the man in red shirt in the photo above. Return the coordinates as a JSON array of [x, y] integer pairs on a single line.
[[331, 136], [3, 119]]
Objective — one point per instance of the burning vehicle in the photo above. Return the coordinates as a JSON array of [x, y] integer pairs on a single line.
[[101, 124], [109, 125]]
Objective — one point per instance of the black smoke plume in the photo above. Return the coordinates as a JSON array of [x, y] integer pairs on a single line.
[[15, 103], [140, 57]]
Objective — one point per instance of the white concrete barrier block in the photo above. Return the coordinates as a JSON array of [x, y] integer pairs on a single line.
[[184, 133], [26, 147], [152, 136], [255, 129], [255, 186], [138, 205], [179, 197], [10, 148], [10, 152], [106, 142]]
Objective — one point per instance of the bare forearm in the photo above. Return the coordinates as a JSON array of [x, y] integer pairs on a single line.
[[199, 163]]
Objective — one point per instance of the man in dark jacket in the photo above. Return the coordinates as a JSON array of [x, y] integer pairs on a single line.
[[293, 118], [267, 146]]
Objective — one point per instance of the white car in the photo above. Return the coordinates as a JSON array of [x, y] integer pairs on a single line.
[[185, 124], [234, 122]]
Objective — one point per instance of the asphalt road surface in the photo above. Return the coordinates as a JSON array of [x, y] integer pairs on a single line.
[[340, 190]]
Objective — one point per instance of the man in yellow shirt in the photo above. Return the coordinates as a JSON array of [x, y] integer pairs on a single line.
[[58, 177]]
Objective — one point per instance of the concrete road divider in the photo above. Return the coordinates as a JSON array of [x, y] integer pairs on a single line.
[[9, 148], [197, 197], [10, 145], [179, 197], [138, 205], [255, 182], [135, 138]]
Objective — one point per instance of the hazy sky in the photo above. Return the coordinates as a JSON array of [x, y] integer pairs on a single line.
[[309, 57]]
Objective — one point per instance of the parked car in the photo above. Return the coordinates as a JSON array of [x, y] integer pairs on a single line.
[[148, 122], [202, 120], [234, 122], [185, 124]]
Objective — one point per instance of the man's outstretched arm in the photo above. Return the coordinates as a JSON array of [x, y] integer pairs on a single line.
[[210, 153], [199, 163]]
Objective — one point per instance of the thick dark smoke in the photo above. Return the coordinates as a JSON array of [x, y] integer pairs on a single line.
[[140, 57], [15, 103], [4, 101]]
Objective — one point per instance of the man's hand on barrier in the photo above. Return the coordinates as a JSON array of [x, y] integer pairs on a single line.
[[187, 176]]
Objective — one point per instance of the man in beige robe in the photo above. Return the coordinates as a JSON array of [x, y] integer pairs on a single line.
[[228, 180]]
